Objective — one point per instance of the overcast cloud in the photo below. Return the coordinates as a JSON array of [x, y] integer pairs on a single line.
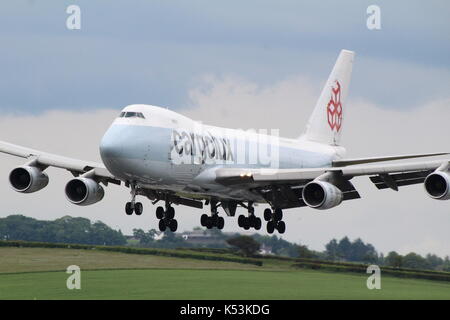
[[131, 51]]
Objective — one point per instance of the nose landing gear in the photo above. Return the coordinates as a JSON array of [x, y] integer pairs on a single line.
[[133, 206]]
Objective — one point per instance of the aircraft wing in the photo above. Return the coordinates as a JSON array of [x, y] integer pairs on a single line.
[[44, 159], [268, 176], [283, 187]]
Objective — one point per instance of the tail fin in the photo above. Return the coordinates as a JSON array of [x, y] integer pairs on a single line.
[[325, 124]]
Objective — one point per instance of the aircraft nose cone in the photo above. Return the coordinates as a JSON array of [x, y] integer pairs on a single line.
[[110, 146]]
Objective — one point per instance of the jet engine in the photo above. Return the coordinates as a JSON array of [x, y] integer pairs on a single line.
[[28, 179], [84, 191], [322, 195], [437, 185]]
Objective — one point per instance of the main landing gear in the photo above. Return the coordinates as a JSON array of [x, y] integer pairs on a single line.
[[251, 221], [214, 220], [166, 218], [274, 220], [133, 206]]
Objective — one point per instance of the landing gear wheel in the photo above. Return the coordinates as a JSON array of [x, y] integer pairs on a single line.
[[267, 214], [138, 208], [270, 227], [162, 225], [203, 220], [246, 224], [241, 221], [257, 223], [170, 213], [159, 213], [173, 225], [129, 208], [209, 223], [278, 214], [220, 223], [281, 227]]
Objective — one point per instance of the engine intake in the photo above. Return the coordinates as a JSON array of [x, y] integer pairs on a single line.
[[437, 185], [84, 191], [322, 195], [27, 179]]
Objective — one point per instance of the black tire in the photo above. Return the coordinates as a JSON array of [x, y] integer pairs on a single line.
[[246, 223], [281, 227], [270, 227], [159, 213], [170, 213], [267, 214], [173, 225], [257, 224], [278, 215], [241, 221], [138, 208], [214, 219], [251, 220], [203, 220], [162, 225], [209, 223], [129, 209], [220, 223]]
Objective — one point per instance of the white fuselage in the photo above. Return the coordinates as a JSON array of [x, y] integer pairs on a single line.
[[160, 149]]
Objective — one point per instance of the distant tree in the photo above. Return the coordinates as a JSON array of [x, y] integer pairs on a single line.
[[63, 230], [356, 251], [446, 265], [434, 261], [304, 252], [331, 250], [415, 261], [278, 246], [393, 259], [344, 248], [245, 244], [145, 238]]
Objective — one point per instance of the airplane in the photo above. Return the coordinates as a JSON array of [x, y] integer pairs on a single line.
[[167, 157]]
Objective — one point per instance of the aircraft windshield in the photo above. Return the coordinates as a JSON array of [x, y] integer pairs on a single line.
[[131, 115]]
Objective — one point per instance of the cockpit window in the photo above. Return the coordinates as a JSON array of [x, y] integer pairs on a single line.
[[131, 115]]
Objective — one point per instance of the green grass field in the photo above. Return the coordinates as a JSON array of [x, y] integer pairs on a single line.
[[32, 273]]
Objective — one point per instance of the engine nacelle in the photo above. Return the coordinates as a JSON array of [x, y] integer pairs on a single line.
[[27, 179], [322, 195], [437, 185], [84, 191]]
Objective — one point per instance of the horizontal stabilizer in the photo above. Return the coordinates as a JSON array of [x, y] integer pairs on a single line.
[[350, 162]]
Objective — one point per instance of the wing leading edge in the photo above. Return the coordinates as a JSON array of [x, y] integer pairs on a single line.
[[283, 187], [44, 159]]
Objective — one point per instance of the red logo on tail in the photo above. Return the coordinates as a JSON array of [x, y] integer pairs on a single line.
[[334, 108]]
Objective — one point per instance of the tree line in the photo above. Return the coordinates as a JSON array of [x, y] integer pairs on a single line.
[[64, 230], [82, 231]]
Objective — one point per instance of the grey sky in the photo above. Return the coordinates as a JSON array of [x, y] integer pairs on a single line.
[[154, 51], [252, 64]]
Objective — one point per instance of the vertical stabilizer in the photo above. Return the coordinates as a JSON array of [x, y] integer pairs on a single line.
[[325, 124]]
